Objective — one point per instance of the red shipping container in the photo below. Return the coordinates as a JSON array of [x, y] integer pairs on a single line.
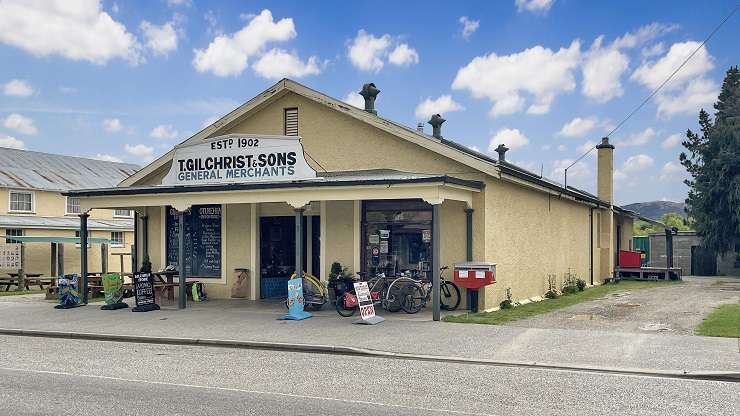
[[629, 259]]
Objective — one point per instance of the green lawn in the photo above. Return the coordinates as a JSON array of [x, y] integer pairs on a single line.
[[724, 321], [549, 305], [23, 292]]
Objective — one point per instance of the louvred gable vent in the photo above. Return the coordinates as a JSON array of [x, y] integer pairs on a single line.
[[291, 121]]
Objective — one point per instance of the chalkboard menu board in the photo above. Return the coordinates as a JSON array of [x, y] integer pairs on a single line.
[[143, 289], [202, 240]]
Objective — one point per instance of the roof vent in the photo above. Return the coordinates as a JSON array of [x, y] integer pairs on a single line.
[[501, 150], [420, 127], [436, 122], [369, 93]]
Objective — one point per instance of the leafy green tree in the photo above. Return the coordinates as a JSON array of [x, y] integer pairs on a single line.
[[670, 219], [713, 161]]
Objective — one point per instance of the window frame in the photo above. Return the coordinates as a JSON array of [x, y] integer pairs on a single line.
[[129, 215], [66, 206], [115, 243], [77, 235], [14, 235], [10, 201]]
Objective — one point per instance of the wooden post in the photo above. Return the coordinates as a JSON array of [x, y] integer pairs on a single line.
[[104, 258], [60, 259], [298, 242], [53, 268], [181, 259], [83, 255], [22, 271], [436, 257]]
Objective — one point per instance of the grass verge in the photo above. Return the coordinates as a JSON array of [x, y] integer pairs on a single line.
[[549, 305], [23, 292], [724, 321]]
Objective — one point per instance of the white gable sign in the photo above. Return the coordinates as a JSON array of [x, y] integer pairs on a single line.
[[239, 158]]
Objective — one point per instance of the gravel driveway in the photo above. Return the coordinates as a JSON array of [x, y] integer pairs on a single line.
[[672, 310]]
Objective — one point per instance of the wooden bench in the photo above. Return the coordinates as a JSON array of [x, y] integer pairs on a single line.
[[29, 281]]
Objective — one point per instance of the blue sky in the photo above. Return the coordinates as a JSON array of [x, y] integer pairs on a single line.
[[127, 80]]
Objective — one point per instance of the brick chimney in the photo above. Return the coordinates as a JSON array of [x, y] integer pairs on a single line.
[[605, 192]]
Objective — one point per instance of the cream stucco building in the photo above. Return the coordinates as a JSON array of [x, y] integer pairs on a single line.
[[32, 205], [383, 195]]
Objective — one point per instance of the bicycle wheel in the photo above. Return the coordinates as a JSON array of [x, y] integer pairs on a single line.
[[393, 301], [342, 310], [449, 296], [413, 298]]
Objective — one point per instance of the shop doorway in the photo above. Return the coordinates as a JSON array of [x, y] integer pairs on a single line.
[[277, 252]]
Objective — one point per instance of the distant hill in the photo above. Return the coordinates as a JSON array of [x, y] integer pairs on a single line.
[[657, 209]]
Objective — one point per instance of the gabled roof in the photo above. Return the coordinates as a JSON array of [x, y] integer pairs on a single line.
[[445, 147], [24, 169]]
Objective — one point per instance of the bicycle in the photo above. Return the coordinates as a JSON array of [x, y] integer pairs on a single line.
[[417, 293], [380, 292]]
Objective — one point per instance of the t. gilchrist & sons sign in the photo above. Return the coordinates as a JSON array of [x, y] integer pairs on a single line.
[[238, 158]]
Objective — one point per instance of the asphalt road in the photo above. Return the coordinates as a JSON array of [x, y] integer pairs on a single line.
[[40, 376]]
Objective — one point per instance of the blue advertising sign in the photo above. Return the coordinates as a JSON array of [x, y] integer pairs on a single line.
[[295, 301]]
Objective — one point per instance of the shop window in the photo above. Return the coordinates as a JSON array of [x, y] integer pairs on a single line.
[[122, 213], [21, 201], [73, 205], [15, 232], [397, 238], [116, 238], [290, 126]]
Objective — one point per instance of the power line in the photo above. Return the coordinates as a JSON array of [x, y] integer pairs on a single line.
[[656, 90], [652, 94]]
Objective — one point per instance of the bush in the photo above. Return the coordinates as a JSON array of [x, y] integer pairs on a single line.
[[551, 294], [581, 284], [506, 304], [569, 290]]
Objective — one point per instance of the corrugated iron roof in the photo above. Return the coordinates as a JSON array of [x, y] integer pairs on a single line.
[[44, 171], [64, 223]]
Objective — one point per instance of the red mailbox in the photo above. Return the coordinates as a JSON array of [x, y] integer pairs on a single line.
[[475, 275]]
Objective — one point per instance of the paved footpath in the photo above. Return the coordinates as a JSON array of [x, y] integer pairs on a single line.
[[416, 334]]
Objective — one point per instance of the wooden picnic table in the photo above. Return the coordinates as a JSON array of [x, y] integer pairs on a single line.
[[31, 279], [167, 280]]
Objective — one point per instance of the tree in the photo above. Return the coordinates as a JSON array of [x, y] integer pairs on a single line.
[[713, 162], [670, 219]]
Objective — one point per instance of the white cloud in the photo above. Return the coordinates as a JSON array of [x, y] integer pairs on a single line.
[[639, 138], [210, 120], [576, 172], [164, 132], [538, 71], [161, 39], [139, 150], [654, 50], [699, 93], [468, 26], [637, 163], [585, 147], [17, 88], [512, 138], [74, 29], [20, 124], [578, 127], [107, 158], [403, 55], [670, 171], [227, 55], [366, 51], [441, 105], [643, 34], [11, 142], [562, 148], [602, 72], [689, 89], [653, 73], [277, 63], [67, 90], [619, 176], [112, 125], [671, 141], [176, 3], [534, 6], [354, 99]]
